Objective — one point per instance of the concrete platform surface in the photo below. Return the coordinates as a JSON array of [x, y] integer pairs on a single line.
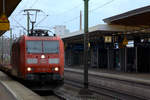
[[12, 90], [143, 78]]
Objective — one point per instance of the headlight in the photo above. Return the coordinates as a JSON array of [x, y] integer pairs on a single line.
[[32, 61], [56, 69], [42, 56], [53, 61], [29, 69]]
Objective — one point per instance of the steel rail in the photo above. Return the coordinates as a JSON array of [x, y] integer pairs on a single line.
[[99, 89]]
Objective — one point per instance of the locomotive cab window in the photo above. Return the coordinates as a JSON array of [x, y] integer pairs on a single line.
[[50, 46], [34, 46]]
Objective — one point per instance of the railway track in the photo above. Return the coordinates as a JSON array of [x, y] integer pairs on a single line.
[[49, 95], [108, 86], [45, 94]]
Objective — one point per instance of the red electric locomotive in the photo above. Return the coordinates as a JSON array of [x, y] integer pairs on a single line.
[[38, 57]]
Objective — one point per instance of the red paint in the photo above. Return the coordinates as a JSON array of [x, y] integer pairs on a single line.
[[19, 57]]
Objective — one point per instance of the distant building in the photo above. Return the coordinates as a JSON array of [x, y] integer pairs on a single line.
[[60, 30]]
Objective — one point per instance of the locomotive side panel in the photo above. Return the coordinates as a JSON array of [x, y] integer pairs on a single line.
[[61, 58], [15, 61], [22, 58]]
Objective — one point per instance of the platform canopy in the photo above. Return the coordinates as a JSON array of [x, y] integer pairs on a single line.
[[9, 8], [138, 17]]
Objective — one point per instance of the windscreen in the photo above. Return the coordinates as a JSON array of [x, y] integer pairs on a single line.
[[34, 46], [50, 46], [38, 46]]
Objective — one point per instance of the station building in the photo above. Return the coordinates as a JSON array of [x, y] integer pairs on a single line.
[[122, 44]]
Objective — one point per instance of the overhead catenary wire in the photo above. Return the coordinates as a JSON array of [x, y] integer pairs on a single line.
[[101, 6], [90, 11], [29, 19], [95, 3], [25, 4], [34, 3], [19, 13], [41, 20], [19, 24], [24, 8], [75, 18], [70, 20], [51, 27], [69, 10], [48, 15]]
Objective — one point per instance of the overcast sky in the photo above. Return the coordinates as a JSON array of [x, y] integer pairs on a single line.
[[66, 12]]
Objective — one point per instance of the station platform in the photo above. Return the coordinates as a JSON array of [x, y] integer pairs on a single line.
[[143, 78], [12, 90], [136, 85]]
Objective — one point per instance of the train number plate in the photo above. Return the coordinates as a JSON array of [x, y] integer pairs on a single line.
[[43, 61]]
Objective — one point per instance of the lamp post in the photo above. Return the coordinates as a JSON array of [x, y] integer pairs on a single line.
[[85, 90], [86, 44]]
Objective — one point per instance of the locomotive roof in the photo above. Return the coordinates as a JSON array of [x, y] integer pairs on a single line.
[[41, 37], [37, 38]]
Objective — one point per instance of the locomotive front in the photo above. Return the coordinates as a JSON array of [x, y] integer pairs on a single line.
[[44, 59]]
